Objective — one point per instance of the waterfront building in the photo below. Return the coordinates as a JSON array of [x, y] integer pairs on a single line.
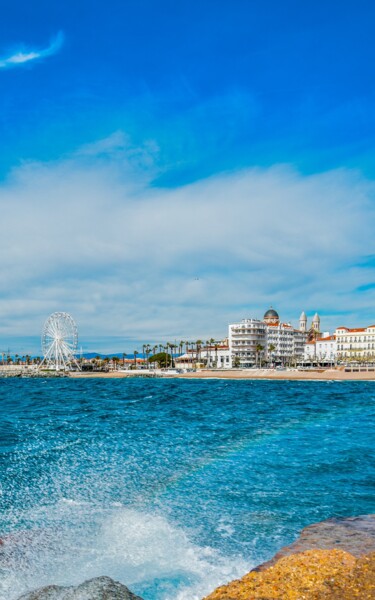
[[247, 342], [215, 356], [322, 350], [355, 344], [285, 343], [252, 341]]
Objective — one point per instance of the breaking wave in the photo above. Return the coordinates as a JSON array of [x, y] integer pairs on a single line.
[[73, 541]]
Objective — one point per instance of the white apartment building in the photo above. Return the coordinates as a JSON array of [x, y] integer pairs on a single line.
[[283, 342], [354, 344], [247, 342], [323, 350]]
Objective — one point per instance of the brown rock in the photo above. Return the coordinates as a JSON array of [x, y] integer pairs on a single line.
[[310, 575], [334, 560], [352, 534]]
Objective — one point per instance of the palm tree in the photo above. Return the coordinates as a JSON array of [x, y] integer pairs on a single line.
[[154, 351], [165, 351], [173, 350], [167, 358], [258, 350], [170, 346], [135, 359], [124, 355], [148, 351], [187, 344], [180, 346], [198, 345], [271, 349], [210, 342], [208, 353]]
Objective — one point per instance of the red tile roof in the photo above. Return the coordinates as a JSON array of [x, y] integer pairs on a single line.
[[354, 330]]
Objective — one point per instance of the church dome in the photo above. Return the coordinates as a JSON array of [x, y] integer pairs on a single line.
[[271, 314]]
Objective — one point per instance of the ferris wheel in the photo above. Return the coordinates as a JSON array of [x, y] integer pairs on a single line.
[[59, 342]]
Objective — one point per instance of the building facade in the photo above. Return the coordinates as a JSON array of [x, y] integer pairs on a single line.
[[215, 356], [247, 342], [322, 350], [355, 344], [285, 343], [253, 341]]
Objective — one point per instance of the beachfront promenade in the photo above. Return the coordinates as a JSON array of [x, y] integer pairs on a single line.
[[270, 374], [330, 374]]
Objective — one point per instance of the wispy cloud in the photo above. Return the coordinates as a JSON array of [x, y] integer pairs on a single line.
[[21, 56]]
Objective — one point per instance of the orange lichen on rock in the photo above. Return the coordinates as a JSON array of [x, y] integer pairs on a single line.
[[358, 584], [310, 575]]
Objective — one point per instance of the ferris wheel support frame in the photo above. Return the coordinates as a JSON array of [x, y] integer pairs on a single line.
[[59, 342]]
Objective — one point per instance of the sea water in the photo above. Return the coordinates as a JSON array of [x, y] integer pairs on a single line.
[[173, 486]]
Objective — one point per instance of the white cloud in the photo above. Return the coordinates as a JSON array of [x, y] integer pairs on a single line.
[[90, 235], [21, 56]]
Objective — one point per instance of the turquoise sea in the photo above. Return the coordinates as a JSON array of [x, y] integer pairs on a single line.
[[173, 486]]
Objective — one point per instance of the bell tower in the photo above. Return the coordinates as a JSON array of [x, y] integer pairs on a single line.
[[316, 323]]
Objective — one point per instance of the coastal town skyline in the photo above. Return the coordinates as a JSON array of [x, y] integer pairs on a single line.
[[155, 181], [250, 343], [308, 329]]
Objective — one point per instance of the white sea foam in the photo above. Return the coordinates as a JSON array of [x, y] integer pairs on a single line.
[[79, 541]]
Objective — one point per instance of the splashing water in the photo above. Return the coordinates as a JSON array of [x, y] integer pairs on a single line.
[[77, 541], [172, 487]]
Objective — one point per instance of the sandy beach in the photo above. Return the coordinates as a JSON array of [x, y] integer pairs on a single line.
[[270, 374]]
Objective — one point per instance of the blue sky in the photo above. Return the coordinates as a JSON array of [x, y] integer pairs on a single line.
[[129, 129]]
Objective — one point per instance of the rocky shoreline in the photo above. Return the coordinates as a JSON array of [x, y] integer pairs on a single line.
[[31, 374], [334, 559], [355, 535]]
